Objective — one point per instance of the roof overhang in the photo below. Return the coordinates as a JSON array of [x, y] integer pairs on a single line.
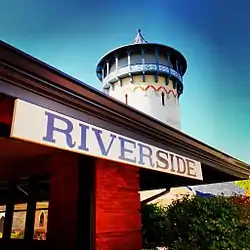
[[26, 72]]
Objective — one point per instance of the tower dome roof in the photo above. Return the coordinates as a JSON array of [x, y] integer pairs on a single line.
[[140, 42]]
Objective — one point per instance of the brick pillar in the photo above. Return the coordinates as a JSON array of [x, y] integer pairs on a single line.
[[118, 219], [63, 204]]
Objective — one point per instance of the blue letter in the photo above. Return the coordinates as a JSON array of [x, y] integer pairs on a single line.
[[51, 129], [162, 157], [147, 155], [124, 150], [83, 145], [100, 141]]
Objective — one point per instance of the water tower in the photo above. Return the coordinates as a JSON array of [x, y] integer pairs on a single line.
[[146, 76]]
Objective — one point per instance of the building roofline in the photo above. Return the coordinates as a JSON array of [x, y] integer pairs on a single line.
[[131, 46], [18, 68]]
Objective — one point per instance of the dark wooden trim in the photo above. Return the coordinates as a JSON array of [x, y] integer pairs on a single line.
[[6, 108], [8, 215], [155, 196], [31, 211], [35, 76], [87, 206], [4, 130]]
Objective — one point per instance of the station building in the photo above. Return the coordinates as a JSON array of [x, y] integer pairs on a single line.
[[73, 159]]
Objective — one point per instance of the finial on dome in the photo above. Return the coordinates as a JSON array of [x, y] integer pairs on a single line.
[[139, 38]]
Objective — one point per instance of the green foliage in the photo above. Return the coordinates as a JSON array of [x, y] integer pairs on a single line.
[[200, 223], [154, 227]]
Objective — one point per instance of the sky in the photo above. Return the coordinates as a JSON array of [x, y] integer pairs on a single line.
[[213, 35]]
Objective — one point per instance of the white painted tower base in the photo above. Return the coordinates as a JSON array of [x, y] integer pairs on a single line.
[[157, 100]]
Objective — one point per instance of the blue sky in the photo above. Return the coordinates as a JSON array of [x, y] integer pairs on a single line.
[[72, 35]]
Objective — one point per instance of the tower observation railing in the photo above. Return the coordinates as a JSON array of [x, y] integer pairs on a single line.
[[140, 67]]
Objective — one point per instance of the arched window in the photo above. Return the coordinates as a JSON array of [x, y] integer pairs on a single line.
[[41, 219], [126, 98], [162, 98], [1, 224]]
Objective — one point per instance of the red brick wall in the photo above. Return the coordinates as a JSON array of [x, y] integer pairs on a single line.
[[118, 219], [63, 204]]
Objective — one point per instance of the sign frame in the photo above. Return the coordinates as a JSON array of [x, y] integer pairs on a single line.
[[43, 126]]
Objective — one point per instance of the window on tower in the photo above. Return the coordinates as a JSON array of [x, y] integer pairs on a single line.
[[143, 78], [163, 99], [126, 98]]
